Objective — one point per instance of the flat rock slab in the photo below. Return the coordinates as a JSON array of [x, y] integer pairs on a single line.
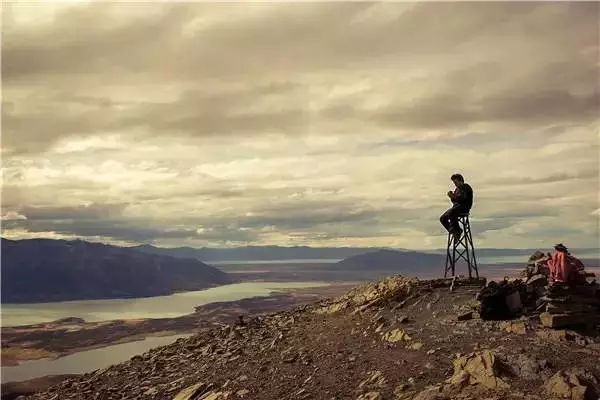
[[563, 320]]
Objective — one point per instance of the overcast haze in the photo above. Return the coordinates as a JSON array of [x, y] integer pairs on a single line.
[[332, 124]]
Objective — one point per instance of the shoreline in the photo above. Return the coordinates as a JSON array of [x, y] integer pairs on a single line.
[[38, 341], [14, 362]]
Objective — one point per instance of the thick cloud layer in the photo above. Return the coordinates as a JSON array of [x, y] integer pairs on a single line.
[[290, 123]]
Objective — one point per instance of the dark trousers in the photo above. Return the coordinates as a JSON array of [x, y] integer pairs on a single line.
[[450, 218]]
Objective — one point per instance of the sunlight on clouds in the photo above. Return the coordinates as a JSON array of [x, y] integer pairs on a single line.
[[13, 216], [334, 124], [33, 14], [108, 142]]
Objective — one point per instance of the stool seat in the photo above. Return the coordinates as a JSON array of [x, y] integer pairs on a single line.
[[461, 248]]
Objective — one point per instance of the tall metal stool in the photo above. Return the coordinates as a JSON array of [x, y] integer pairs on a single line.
[[461, 249]]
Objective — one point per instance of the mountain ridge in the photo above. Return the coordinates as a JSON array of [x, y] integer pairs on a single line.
[[39, 270], [208, 254], [386, 259]]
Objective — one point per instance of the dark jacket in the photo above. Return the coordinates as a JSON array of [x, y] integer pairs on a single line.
[[463, 197]]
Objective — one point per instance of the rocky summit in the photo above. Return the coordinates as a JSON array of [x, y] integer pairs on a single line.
[[394, 339]]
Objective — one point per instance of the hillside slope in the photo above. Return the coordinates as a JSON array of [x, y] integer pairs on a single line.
[[395, 339], [53, 270], [403, 262]]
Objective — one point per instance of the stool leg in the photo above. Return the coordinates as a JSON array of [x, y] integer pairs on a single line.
[[465, 226], [473, 253], [454, 244], [446, 268]]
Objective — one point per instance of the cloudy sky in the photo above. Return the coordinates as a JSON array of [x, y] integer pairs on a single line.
[[331, 124]]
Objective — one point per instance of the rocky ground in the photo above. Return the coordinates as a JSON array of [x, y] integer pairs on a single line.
[[396, 339]]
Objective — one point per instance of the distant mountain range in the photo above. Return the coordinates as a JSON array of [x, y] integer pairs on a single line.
[[39, 270], [265, 253], [207, 254], [400, 262]]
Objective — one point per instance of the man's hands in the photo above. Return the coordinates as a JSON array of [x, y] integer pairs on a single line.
[[450, 193]]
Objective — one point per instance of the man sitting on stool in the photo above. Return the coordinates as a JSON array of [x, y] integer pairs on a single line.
[[462, 200]]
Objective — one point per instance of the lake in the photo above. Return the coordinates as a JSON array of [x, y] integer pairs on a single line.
[[522, 259], [289, 261], [85, 361], [170, 306], [500, 259]]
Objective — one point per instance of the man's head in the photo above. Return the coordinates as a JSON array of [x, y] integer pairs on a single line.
[[457, 179]]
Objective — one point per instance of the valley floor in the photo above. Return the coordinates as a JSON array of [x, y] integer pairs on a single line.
[[71, 335]]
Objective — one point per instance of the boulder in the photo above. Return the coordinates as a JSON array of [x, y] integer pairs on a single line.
[[396, 335], [563, 320], [370, 396], [518, 327], [465, 316], [214, 395], [192, 392], [402, 319], [481, 368], [415, 346], [564, 335], [401, 389], [524, 366], [537, 280], [431, 393], [151, 392], [574, 385], [374, 379]]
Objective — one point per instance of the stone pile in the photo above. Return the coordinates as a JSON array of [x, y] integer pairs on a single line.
[[571, 305], [561, 305], [536, 266], [536, 274]]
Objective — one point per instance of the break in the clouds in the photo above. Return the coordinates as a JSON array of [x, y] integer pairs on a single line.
[[325, 124]]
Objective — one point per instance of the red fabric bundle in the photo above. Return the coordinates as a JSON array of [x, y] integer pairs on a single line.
[[564, 267]]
